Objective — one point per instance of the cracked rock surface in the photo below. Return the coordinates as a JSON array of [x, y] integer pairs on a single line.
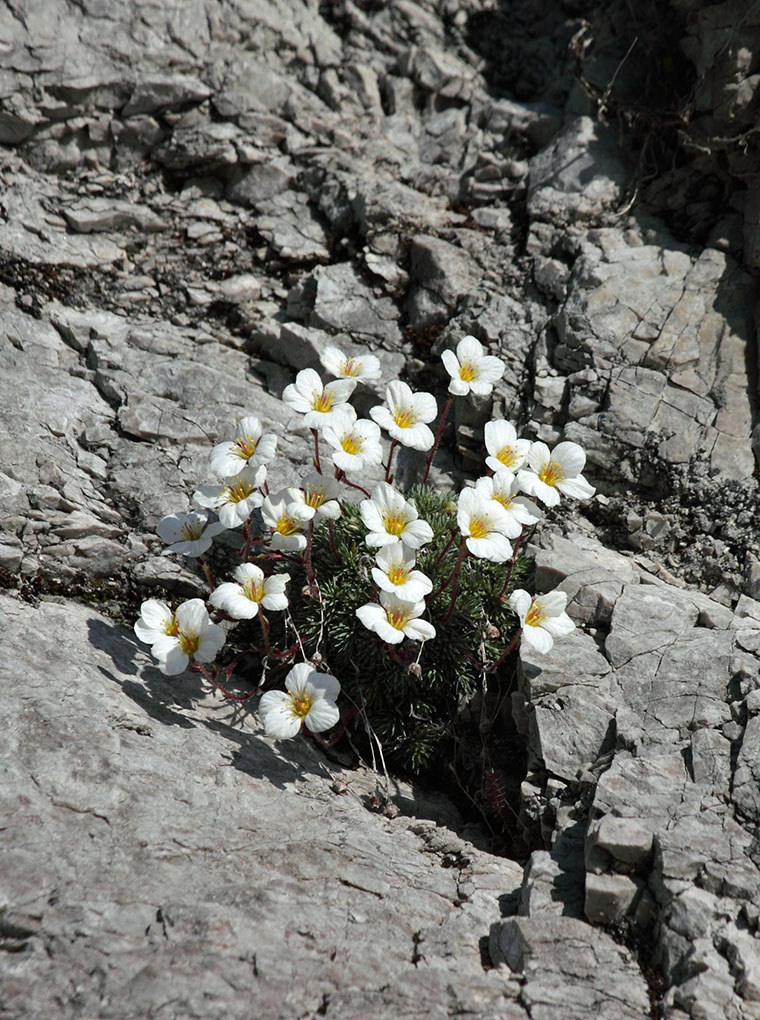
[[198, 197]]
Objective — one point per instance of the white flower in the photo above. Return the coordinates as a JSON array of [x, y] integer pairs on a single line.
[[394, 619], [315, 499], [542, 617], [558, 470], [236, 499], [317, 401], [389, 519], [356, 443], [309, 700], [484, 523], [178, 637], [504, 448], [405, 416], [241, 601], [503, 487], [395, 573], [470, 369], [249, 448], [287, 531], [190, 534], [365, 368]]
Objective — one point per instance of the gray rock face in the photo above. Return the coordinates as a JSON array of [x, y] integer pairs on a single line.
[[248, 857], [670, 361], [197, 199], [664, 847]]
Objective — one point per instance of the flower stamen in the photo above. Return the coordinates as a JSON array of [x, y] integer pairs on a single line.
[[395, 521], [189, 642], [238, 492], [506, 501], [397, 574], [536, 614], [551, 473], [192, 531], [351, 367], [245, 446], [352, 444], [314, 495], [322, 401], [480, 527], [397, 618], [468, 371], [405, 417], [287, 525], [301, 704], [251, 590], [507, 455]]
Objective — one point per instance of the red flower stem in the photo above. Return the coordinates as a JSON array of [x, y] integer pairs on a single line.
[[265, 631], [454, 575], [508, 578], [335, 737], [341, 476], [317, 465], [438, 434], [388, 475], [446, 548], [510, 648], [207, 572], [210, 675], [331, 532], [245, 552], [287, 654], [278, 556], [526, 533], [307, 554]]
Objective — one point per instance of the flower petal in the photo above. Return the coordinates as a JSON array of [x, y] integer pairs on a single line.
[[155, 613], [520, 601], [469, 348], [322, 715], [538, 638], [571, 458], [327, 683], [299, 676], [174, 662], [277, 715], [419, 630], [192, 615]]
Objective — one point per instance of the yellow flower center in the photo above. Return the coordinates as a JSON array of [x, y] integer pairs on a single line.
[[245, 446], [506, 501], [468, 371], [315, 495], [253, 591], [536, 614], [397, 618], [551, 473], [300, 703], [238, 492], [507, 455], [351, 444], [287, 526], [322, 401], [405, 417], [191, 531], [480, 527], [171, 627], [397, 574], [351, 367], [395, 521], [189, 642]]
